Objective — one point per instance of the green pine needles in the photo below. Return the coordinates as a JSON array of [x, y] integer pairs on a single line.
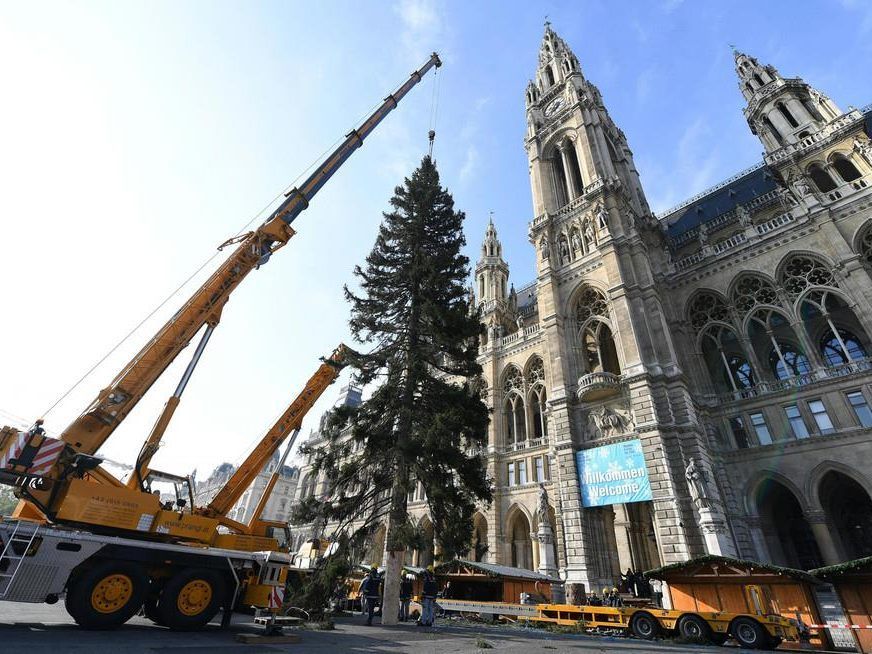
[[425, 421]]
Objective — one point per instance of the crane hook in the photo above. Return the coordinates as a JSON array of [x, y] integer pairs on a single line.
[[431, 135]]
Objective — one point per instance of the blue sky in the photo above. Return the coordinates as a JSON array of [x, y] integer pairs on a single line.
[[135, 137]]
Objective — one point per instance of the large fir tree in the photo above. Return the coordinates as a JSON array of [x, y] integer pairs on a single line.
[[424, 422]]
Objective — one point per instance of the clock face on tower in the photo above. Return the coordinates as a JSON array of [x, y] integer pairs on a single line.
[[554, 107]]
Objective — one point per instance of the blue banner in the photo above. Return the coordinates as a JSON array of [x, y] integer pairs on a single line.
[[613, 474]]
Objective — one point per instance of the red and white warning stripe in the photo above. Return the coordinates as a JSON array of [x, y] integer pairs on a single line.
[[44, 460], [276, 597], [14, 450], [839, 626]]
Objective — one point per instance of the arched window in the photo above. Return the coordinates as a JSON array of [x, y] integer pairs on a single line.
[[600, 354], [758, 79], [549, 75], [598, 346], [864, 246], [749, 87], [821, 178], [558, 173], [811, 109], [576, 168], [831, 323], [784, 111], [777, 344], [536, 380], [772, 130], [785, 361], [845, 167], [705, 308], [802, 272], [751, 291], [514, 411], [728, 368]]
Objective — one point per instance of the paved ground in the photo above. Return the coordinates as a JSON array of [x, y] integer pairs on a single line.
[[40, 629]]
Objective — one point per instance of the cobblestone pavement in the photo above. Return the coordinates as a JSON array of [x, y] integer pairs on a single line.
[[39, 629]]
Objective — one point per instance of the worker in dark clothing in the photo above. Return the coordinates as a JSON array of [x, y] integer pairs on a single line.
[[369, 590], [428, 603], [405, 598]]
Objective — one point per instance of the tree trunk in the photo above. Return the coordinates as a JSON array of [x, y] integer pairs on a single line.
[[395, 551]]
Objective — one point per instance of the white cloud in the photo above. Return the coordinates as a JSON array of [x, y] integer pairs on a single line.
[[422, 26], [470, 164]]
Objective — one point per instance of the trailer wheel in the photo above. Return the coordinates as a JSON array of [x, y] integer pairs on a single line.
[[644, 625], [694, 627], [749, 633], [107, 595], [190, 599]]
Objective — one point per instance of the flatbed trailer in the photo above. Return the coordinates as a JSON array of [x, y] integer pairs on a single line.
[[750, 631]]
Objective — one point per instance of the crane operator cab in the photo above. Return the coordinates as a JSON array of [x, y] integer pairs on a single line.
[[174, 492]]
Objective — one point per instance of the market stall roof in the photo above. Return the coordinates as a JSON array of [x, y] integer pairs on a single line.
[[407, 569], [723, 568], [461, 566], [856, 567]]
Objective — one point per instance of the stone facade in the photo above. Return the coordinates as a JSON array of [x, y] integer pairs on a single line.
[[749, 391], [278, 506], [729, 336]]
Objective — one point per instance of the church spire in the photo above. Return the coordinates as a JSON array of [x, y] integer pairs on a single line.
[[780, 111], [491, 271]]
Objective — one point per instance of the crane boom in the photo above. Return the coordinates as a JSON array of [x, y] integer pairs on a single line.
[[89, 431], [290, 420]]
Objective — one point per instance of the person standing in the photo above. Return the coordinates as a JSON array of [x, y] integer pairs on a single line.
[[428, 600], [405, 598], [369, 591]]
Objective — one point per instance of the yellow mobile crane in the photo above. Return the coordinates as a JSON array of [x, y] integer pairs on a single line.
[[108, 543]]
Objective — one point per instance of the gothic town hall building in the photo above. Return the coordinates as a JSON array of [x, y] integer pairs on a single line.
[[725, 343], [689, 383]]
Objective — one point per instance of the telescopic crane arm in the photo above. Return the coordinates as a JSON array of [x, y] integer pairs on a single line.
[[290, 421], [87, 433]]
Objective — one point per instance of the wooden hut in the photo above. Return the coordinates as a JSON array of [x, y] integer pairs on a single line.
[[719, 583], [852, 581], [488, 582]]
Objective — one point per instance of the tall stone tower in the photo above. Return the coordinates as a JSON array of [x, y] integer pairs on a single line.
[[614, 376]]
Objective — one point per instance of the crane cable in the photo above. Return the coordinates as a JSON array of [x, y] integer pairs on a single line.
[[209, 260], [434, 109]]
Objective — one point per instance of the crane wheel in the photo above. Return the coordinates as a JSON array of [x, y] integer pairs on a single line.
[[190, 599], [107, 595], [749, 633], [644, 625], [693, 627]]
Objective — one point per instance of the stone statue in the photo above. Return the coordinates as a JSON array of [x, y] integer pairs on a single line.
[[519, 320], [864, 148], [543, 245], [602, 217], [589, 234], [606, 421], [575, 241], [702, 234], [697, 483], [743, 215], [564, 250], [543, 506]]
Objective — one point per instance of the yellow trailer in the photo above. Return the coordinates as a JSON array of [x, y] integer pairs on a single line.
[[749, 631]]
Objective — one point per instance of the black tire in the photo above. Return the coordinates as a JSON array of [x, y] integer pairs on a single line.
[[644, 625], [695, 628], [775, 641], [190, 599], [749, 633], [107, 595]]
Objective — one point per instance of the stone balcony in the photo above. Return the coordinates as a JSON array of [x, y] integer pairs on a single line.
[[851, 368], [598, 385], [527, 444]]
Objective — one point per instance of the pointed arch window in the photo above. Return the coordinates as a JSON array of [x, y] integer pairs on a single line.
[[549, 75], [728, 367], [802, 272], [514, 409], [785, 112], [821, 178], [537, 397], [773, 130], [831, 323], [558, 175], [845, 167], [775, 343], [758, 79], [598, 351]]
